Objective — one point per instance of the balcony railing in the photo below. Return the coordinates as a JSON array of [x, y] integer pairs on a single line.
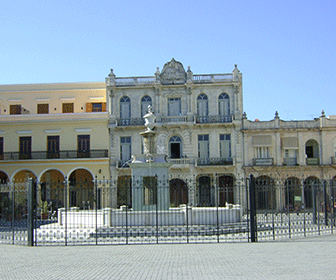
[[175, 119], [133, 81], [149, 80], [214, 119], [211, 78], [290, 161], [130, 122], [214, 161], [263, 161], [312, 161], [54, 155], [181, 160]]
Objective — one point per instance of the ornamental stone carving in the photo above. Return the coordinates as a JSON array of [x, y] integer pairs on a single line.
[[173, 73]]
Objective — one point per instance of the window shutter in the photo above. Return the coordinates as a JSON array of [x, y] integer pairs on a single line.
[[88, 107], [104, 107]]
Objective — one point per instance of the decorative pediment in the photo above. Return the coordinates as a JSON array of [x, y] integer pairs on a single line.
[[173, 73]]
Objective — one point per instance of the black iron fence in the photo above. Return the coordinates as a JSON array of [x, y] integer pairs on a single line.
[[148, 210]]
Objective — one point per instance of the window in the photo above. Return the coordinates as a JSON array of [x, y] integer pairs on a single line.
[[1, 148], [174, 106], [67, 108], [225, 145], [43, 108], [15, 109], [203, 147], [312, 149], [125, 110], [145, 102], [96, 107], [262, 152], [202, 107], [25, 147], [125, 149], [175, 147], [224, 105], [83, 146], [150, 190], [52, 146]]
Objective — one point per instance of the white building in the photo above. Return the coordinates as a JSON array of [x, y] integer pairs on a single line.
[[198, 123]]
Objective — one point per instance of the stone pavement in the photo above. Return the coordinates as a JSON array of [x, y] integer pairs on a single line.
[[311, 258]]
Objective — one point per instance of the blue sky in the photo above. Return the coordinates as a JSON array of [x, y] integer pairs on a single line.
[[285, 49]]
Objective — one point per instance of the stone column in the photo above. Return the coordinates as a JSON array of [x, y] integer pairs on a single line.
[[192, 191], [278, 194], [38, 194]]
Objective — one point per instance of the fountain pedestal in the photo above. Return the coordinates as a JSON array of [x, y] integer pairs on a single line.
[[150, 186]]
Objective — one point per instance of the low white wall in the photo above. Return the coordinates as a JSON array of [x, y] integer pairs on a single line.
[[108, 217]]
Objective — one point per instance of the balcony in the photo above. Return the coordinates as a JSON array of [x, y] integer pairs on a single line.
[[175, 119], [312, 161], [181, 160], [214, 119], [214, 161], [130, 122], [290, 161], [55, 155], [263, 161]]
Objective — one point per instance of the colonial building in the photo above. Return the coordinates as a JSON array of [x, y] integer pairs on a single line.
[[72, 133], [294, 155], [56, 134], [198, 126]]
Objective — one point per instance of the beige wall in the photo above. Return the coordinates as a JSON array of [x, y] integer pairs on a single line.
[[53, 94]]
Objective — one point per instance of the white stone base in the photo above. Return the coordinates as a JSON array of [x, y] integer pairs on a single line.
[[109, 217]]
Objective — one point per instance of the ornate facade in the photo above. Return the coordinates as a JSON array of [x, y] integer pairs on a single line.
[[198, 123]]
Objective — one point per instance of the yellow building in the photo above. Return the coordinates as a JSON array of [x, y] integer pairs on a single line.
[[56, 134]]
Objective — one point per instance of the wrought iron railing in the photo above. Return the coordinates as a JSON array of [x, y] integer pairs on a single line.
[[175, 119], [130, 122], [214, 119], [215, 161], [54, 155], [181, 160], [263, 161]]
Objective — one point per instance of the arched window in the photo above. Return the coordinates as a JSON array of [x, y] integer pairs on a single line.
[[125, 110], [311, 186], [202, 107], [178, 192], [204, 191], [175, 147], [224, 105], [265, 193], [145, 102], [312, 152], [293, 194], [225, 190]]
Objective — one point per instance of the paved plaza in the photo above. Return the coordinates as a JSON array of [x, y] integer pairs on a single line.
[[311, 258]]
